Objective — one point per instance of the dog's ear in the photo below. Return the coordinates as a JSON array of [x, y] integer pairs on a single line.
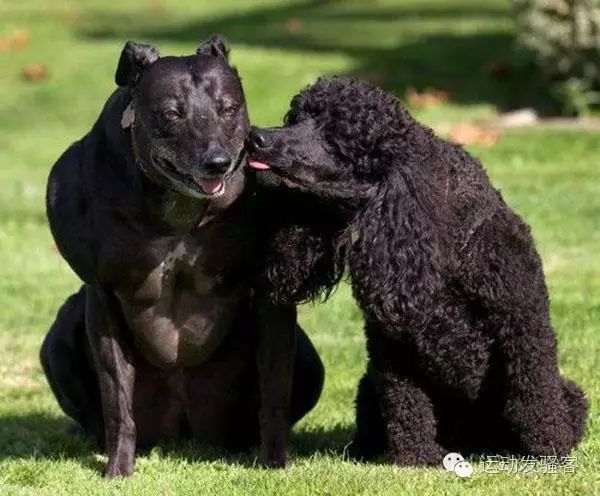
[[215, 46], [134, 57], [395, 262], [303, 263]]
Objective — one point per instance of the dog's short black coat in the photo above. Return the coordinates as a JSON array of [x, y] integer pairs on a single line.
[[150, 209], [462, 354]]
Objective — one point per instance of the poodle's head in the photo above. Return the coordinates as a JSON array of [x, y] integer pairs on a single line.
[[340, 139]]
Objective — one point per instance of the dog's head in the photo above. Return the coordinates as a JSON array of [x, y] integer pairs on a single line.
[[338, 140], [187, 116]]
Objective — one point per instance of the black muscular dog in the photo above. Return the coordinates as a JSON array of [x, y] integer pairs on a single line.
[[462, 352], [150, 210]]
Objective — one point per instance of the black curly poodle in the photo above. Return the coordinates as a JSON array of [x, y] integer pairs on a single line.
[[462, 355]]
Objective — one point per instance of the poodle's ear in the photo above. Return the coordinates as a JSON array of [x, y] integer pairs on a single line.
[[134, 58], [395, 260], [303, 264], [303, 249], [215, 46]]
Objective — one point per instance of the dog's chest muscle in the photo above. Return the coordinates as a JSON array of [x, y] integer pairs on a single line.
[[181, 306]]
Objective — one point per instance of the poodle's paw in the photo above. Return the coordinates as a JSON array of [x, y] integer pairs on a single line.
[[558, 441], [544, 428], [578, 406]]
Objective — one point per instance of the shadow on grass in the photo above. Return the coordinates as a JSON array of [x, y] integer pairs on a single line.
[[37, 435], [434, 50], [41, 436], [333, 441], [304, 444]]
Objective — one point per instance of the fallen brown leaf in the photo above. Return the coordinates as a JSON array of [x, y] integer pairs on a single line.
[[293, 26], [35, 72], [17, 41], [157, 7], [470, 134], [429, 97]]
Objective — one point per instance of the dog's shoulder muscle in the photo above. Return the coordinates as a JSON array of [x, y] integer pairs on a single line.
[[86, 185], [67, 206]]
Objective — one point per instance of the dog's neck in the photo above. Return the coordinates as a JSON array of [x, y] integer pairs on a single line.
[[169, 210]]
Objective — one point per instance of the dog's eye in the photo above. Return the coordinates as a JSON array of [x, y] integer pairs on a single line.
[[171, 115]]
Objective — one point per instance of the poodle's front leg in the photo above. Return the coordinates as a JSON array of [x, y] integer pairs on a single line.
[[370, 438], [408, 418], [537, 404]]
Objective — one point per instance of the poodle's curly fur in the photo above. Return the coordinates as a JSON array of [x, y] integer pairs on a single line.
[[462, 354]]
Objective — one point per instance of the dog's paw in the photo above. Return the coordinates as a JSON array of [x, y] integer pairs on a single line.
[[119, 466], [272, 458]]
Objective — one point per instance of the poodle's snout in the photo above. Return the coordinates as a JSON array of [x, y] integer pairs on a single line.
[[257, 139]]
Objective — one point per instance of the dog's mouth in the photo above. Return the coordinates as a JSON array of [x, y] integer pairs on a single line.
[[212, 187], [270, 174], [188, 185], [195, 186]]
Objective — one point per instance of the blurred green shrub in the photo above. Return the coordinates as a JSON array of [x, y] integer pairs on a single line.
[[563, 39]]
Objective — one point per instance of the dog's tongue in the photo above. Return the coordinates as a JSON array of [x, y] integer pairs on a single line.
[[255, 164], [210, 187]]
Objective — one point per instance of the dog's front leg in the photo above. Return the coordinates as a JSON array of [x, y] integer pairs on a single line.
[[116, 379], [277, 341]]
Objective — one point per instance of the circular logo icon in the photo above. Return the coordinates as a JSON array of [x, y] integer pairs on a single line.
[[450, 460], [463, 469]]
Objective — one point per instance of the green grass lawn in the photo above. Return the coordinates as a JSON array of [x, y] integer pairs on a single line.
[[551, 178]]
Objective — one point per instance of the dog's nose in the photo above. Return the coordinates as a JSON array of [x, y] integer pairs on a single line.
[[257, 140], [216, 161]]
